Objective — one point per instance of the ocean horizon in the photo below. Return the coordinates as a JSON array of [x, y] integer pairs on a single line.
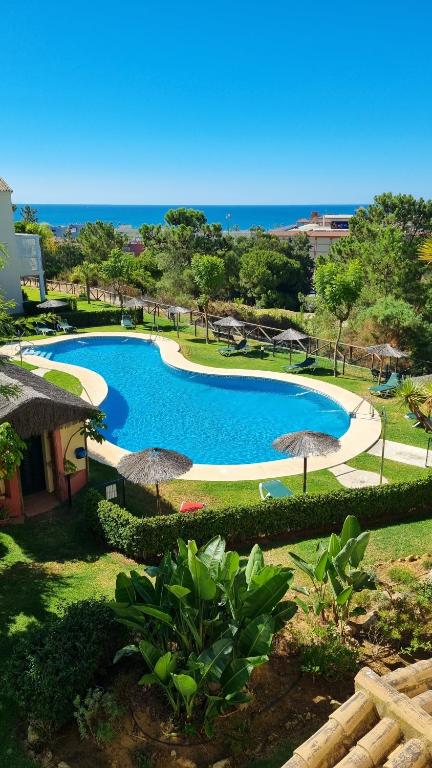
[[230, 216]]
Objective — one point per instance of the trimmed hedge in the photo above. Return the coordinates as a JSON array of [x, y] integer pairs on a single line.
[[82, 318], [148, 537]]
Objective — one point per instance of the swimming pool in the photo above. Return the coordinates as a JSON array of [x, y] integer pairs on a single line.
[[213, 419]]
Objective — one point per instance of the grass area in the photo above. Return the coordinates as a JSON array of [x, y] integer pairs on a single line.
[[23, 364], [64, 381], [95, 306]]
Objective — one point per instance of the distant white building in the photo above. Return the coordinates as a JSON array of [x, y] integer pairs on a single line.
[[23, 253], [322, 231]]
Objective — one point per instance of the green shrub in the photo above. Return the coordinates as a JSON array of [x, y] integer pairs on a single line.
[[327, 656], [405, 621], [52, 664], [151, 536], [401, 575], [82, 318], [96, 715]]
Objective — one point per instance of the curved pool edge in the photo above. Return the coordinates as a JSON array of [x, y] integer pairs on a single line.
[[364, 430]]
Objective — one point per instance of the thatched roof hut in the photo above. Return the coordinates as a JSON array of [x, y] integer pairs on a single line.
[[40, 406]]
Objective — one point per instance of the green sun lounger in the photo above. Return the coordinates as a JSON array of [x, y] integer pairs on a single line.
[[44, 330], [387, 387], [308, 364], [234, 349], [127, 322], [274, 489]]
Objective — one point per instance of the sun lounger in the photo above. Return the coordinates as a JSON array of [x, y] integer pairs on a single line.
[[308, 364], [274, 489], [66, 327], [388, 386], [127, 322], [241, 347], [412, 417], [44, 330], [191, 506]]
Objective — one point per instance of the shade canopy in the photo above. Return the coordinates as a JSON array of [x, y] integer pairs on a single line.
[[290, 335], [52, 304], [154, 465], [228, 322], [307, 443], [134, 303], [39, 406], [386, 350], [178, 310]]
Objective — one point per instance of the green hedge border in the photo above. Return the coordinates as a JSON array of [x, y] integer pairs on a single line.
[[143, 538]]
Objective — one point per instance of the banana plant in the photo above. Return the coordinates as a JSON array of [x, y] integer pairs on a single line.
[[336, 575], [203, 622]]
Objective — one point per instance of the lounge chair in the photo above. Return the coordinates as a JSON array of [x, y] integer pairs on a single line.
[[274, 489], [309, 363], [234, 349], [191, 506], [387, 388], [66, 327], [127, 322], [412, 417], [45, 330]]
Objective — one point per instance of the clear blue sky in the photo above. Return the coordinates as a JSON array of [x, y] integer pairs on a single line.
[[147, 101]]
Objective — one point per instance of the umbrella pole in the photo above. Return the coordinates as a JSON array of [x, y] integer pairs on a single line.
[[304, 473], [381, 370], [290, 351], [157, 499]]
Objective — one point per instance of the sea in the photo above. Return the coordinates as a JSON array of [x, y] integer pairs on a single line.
[[238, 217]]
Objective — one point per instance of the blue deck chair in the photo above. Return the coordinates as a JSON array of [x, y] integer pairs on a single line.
[[127, 322], [308, 364], [241, 347], [45, 330], [63, 325], [274, 489]]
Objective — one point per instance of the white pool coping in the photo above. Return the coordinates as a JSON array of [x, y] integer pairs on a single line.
[[362, 434]]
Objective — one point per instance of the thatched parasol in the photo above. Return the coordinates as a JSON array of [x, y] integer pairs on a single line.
[[154, 465], [228, 322], [134, 303], [176, 312], [289, 335], [383, 351], [52, 304], [306, 443]]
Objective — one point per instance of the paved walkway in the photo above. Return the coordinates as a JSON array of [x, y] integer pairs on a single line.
[[405, 454], [355, 478]]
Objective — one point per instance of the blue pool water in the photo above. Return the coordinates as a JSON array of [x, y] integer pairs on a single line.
[[212, 419]]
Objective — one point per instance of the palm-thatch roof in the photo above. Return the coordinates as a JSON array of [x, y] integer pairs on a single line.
[[134, 303], [39, 406], [290, 335], [386, 350], [52, 304], [154, 465], [228, 322], [307, 443]]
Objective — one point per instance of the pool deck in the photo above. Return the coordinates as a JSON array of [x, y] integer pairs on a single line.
[[363, 433]]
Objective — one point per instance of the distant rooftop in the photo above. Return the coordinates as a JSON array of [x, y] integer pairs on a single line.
[[4, 186]]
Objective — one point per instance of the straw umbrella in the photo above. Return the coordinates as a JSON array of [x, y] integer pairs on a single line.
[[306, 443], [134, 304], [289, 335], [177, 311], [228, 322], [154, 465], [383, 351]]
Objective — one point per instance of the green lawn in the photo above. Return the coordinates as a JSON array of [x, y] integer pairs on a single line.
[[23, 364], [65, 381]]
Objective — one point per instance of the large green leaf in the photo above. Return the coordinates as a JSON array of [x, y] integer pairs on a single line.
[[283, 613], [205, 587], [182, 549], [164, 666], [178, 591], [124, 591], [341, 560], [334, 545], [149, 653], [185, 685], [148, 679], [362, 580], [150, 610], [263, 576], [266, 597], [235, 676], [344, 596], [255, 562], [303, 565], [359, 548], [256, 638], [216, 658], [350, 529], [321, 566], [211, 554], [143, 587], [229, 568], [127, 650]]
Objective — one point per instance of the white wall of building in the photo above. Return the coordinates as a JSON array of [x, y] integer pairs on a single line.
[[10, 286]]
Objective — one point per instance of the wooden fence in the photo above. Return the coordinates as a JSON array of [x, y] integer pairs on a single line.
[[347, 354]]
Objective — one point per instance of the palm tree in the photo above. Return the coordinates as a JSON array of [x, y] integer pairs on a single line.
[[425, 250], [416, 398]]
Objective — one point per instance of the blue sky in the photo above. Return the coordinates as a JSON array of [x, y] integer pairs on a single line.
[[215, 102]]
